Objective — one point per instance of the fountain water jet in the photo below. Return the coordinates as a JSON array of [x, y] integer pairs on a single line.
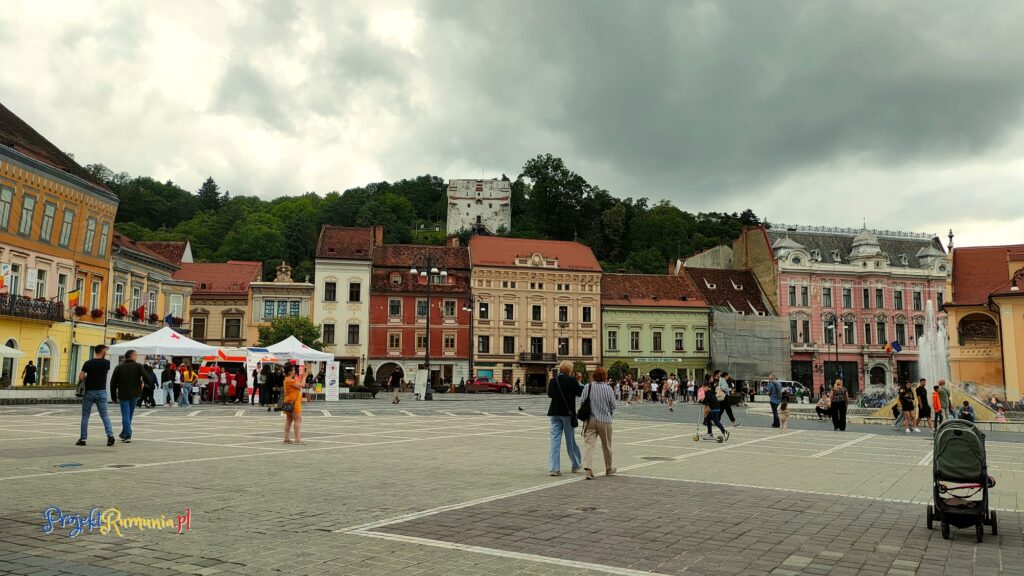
[[933, 348]]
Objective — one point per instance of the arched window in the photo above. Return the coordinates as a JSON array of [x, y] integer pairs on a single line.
[[7, 366], [45, 361], [977, 329]]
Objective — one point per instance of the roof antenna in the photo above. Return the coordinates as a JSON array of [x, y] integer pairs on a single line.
[[950, 247]]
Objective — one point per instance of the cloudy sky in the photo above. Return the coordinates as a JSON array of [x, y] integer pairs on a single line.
[[907, 114]]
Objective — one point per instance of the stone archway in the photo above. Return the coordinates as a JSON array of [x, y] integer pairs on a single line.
[[384, 372], [878, 375], [657, 374]]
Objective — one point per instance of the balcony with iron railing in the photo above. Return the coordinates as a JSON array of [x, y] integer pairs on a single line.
[[537, 357], [31, 309]]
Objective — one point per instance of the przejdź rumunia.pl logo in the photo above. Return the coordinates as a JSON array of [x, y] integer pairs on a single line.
[[112, 520]]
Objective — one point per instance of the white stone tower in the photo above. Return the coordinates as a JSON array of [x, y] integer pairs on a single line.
[[481, 205]]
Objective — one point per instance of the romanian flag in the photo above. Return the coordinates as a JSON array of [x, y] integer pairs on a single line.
[[73, 298]]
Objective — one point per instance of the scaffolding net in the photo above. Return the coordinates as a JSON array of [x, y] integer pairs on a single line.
[[751, 347]]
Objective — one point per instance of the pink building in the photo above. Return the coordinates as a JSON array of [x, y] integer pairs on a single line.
[[848, 294]]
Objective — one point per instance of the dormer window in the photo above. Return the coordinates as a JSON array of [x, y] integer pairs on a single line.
[[835, 256], [797, 260], [709, 284], [735, 286], [396, 278], [904, 260], [816, 255]]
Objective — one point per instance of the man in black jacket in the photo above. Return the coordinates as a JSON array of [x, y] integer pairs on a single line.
[[128, 379], [563, 390]]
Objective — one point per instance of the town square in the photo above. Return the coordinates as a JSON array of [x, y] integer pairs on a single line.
[[484, 288]]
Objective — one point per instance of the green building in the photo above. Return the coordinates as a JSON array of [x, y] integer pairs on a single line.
[[658, 325]]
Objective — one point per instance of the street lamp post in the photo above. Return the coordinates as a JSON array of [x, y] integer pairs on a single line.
[[471, 308], [428, 272]]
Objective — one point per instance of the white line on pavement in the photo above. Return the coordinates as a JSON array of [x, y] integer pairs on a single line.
[[926, 460], [841, 446], [193, 413], [509, 554], [326, 413], [407, 413], [240, 413], [367, 412]]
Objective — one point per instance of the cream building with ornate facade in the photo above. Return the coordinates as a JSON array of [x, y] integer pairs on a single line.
[[341, 303], [537, 302], [281, 298], [143, 293]]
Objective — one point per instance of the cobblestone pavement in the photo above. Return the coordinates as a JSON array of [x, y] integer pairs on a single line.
[[460, 487]]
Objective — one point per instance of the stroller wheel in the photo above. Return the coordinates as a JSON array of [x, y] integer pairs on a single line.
[[696, 437], [929, 517], [945, 530], [993, 522], [979, 528]]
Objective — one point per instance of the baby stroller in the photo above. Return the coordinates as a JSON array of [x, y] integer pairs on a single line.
[[959, 473]]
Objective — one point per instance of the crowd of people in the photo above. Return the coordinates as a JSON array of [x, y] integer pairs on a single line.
[[134, 385]]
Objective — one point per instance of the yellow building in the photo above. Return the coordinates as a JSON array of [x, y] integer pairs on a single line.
[[144, 295], [56, 222], [281, 298], [986, 319]]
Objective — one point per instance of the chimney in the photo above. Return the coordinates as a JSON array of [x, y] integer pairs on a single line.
[[378, 235], [452, 241]]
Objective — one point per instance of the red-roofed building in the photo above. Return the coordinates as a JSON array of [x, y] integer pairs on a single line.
[[986, 318], [221, 300], [341, 297], [176, 252], [398, 310], [538, 302], [144, 293], [655, 324]]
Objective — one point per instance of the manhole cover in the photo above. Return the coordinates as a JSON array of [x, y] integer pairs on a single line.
[[120, 465], [588, 509], [657, 458], [68, 465]]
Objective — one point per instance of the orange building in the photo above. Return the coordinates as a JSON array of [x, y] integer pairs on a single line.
[[56, 224]]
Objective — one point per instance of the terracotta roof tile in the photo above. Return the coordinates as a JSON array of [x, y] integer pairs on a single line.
[[981, 270], [122, 241], [173, 251], [501, 251], [649, 290], [345, 243], [728, 289], [232, 277], [408, 255], [17, 134]]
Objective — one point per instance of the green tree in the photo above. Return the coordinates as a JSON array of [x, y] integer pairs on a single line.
[[618, 370], [209, 195], [299, 326], [132, 230], [581, 367], [557, 197], [395, 213], [259, 239]]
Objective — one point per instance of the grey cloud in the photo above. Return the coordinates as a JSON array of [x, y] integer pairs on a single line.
[[765, 88]]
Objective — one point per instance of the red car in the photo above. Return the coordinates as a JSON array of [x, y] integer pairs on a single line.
[[487, 384]]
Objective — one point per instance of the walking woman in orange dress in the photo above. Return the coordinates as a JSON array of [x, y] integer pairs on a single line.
[[293, 397]]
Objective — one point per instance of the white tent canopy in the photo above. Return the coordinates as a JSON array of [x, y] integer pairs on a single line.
[[10, 352], [164, 342], [292, 349]]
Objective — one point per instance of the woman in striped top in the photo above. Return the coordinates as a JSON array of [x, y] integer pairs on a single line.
[[602, 406]]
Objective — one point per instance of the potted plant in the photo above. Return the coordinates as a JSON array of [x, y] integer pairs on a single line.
[[154, 317], [81, 310], [96, 313], [177, 320]]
